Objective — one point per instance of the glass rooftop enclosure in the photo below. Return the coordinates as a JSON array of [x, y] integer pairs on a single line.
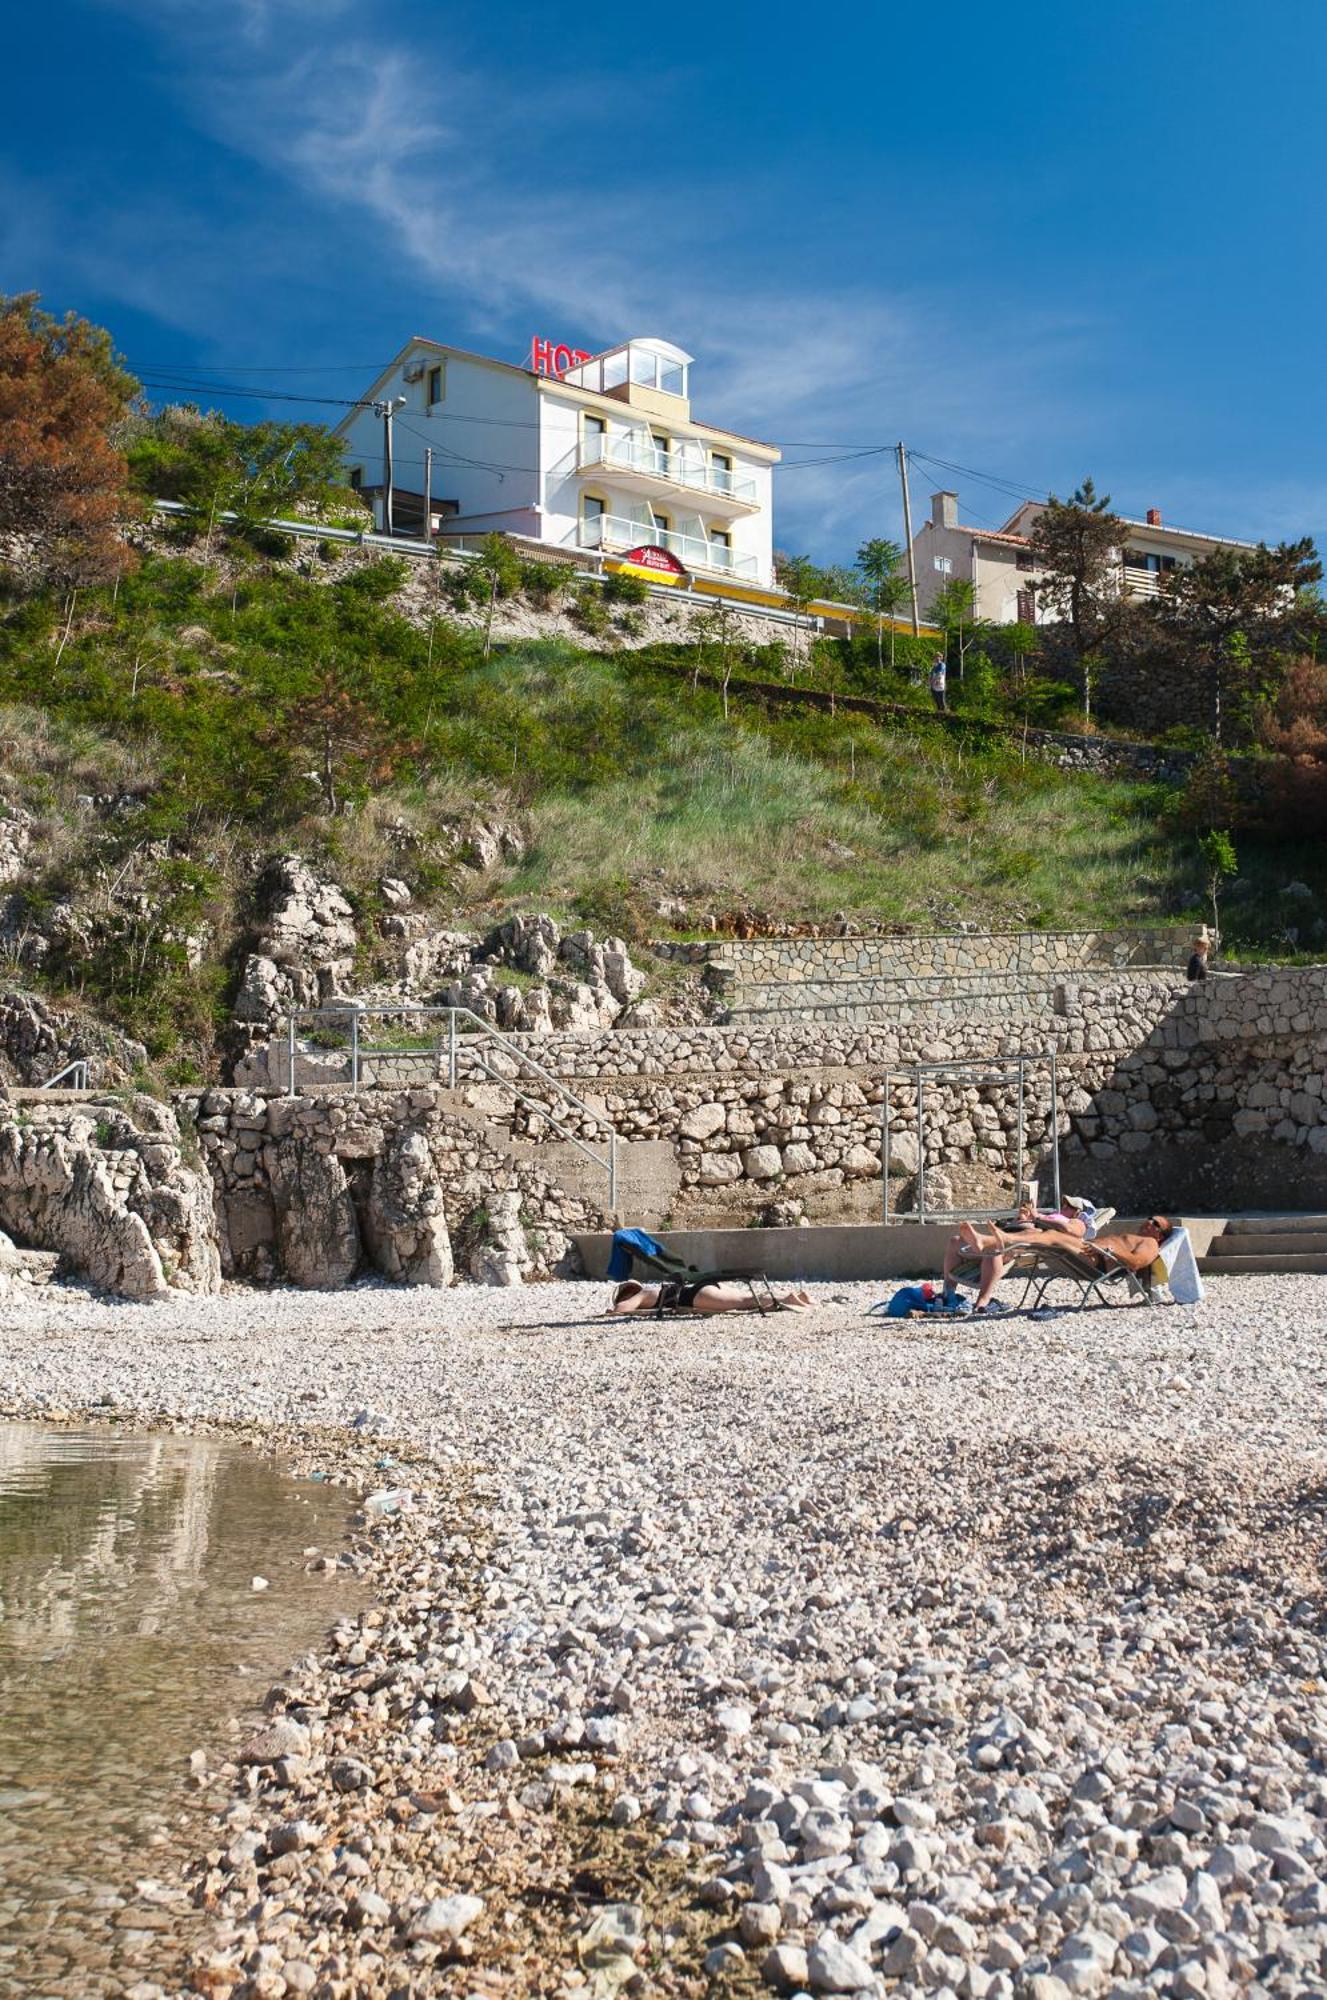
[[641, 364]]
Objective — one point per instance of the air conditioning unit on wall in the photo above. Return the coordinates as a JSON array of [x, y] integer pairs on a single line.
[[415, 372]]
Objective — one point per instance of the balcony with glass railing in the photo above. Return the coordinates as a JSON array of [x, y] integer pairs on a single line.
[[644, 467], [615, 531]]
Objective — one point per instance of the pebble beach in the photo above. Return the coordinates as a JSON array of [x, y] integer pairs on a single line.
[[814, 1653]]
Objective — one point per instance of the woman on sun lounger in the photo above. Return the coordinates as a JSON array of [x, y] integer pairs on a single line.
[[714, 1297]]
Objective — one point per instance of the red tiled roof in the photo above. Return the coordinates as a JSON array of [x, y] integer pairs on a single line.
[[995, 535]]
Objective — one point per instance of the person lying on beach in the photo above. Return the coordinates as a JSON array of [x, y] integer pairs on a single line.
[[1135, 1249], [717, 1296]]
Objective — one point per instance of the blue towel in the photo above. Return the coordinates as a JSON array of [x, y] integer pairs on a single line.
[[624, 1242]]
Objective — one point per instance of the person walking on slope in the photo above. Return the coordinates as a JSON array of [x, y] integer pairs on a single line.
[[938, 680]]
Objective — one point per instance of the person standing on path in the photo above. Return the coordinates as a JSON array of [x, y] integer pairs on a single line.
[[938, 680], [1197, 966]]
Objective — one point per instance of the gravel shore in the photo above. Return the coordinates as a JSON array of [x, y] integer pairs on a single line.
[[812, 1653]]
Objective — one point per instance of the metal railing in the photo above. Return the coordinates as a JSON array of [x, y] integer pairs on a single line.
[[610, 531], [675, 468], [77, 1069], [466, 1032], [996, 1071]]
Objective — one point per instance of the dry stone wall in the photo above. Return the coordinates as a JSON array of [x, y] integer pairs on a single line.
[[1208, 1095]]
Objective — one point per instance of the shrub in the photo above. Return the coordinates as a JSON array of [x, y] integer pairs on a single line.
[[543, 582], [590, 611], [620, 587], [376, 580]]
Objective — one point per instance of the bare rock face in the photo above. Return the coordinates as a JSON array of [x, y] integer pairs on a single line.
[[37, 1041], [406, 1228], [108, 1189], [317, 1232], [16, 838], [304, 948], [503, 1256]]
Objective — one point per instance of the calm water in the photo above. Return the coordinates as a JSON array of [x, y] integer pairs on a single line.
[[129, 1634]]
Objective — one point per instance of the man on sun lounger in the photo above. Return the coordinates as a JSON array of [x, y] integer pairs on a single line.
[[1135, 1249]]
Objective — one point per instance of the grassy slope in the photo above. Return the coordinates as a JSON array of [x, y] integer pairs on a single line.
[[193, 691]]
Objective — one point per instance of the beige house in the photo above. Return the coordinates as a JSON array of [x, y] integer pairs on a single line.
[[998, 562]]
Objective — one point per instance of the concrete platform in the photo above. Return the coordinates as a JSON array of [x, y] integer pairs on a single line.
[[916, 1249]]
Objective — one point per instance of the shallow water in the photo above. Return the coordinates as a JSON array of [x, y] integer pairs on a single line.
[[129, 1634]]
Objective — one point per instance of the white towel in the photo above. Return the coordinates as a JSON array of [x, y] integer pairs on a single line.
[[1177, 1267]]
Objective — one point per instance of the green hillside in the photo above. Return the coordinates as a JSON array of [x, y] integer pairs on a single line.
[[168, 734]]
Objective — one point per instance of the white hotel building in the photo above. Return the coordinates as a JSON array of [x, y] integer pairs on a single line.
[[602, 456]]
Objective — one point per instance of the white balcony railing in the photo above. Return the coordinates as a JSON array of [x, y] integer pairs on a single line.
[[675, 468], [1140, 582], [615, 531]]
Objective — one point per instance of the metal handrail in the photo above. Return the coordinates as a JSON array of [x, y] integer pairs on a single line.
[[78, 1069], [990, 1071], [486, 1032]]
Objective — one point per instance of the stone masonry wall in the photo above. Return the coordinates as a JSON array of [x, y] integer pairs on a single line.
[[949, 954], [1204, 1095]]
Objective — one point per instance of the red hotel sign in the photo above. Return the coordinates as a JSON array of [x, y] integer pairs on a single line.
[[651, 560], [554, 357]]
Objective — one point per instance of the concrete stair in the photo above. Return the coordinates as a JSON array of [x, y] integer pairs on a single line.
[[1265, 1245]]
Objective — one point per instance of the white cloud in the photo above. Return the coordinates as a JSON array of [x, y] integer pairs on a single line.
[[444, 171]]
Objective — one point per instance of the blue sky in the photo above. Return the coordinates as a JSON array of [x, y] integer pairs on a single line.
[[1039, 241]]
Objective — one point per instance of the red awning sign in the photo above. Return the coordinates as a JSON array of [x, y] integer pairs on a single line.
[[654, 561]]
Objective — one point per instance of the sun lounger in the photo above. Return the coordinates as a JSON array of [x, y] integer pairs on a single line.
[[635, 1253], [1041, 1264]]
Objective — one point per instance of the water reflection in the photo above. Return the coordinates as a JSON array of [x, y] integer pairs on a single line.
[[129, 1632]]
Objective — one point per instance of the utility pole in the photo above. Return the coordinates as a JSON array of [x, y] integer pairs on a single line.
[[907, 533], [428, 493], [387, 409]]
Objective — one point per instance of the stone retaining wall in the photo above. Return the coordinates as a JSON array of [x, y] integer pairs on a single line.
[[949, 955], [1199, 1095]]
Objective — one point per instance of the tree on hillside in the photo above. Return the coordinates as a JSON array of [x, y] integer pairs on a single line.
[[217, 466], [1075, 545], [880, 564], [1223, 605], [952, 610], [800, 581], [63, 485]]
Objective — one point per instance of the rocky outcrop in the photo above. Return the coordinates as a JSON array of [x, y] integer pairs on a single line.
[[37, 1041], [313, 1189], [16, 837], [317, 1233], [107, 1187], [304, 948], [405, 1225]]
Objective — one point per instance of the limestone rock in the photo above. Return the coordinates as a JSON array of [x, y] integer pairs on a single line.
[[316, 1230], [107, 1189], [502, 1257], [405, 1227]]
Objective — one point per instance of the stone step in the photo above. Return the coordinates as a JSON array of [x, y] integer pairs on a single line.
[[1256, 1224], [1268, 1267], [1269, 1243]]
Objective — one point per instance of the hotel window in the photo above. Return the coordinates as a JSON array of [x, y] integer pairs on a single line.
[[594, 432], [659, 445], [1025, 559], [721, 472], [721, 548], [433, 393], [663, 526], [593, 513]]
